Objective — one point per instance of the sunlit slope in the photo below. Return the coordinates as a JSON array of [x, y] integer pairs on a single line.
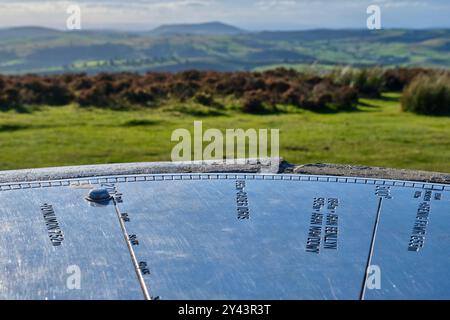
[[24, 50], [378, 133]]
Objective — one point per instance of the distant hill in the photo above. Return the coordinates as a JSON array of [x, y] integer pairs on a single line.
[[21, 32], [199, 29], [216, 46]]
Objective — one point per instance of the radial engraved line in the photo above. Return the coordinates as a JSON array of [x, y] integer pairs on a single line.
[[372, 245], [141, 280]]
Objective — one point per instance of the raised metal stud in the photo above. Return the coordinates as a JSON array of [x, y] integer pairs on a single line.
[[98, 195]]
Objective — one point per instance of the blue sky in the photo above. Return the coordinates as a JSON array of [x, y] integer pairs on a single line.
[[250, 14]]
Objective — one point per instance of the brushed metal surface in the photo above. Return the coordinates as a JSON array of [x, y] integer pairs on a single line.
[[406, 274], [180, 237], [32, 268], [196, 248]]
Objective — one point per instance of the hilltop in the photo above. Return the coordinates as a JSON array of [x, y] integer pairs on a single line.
[[208, 28], [216, 46]]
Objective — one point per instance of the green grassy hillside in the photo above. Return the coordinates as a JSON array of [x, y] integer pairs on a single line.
[[24, 50], [378, 133]]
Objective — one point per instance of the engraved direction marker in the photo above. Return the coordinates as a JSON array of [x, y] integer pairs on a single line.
[[412, 246], [191, 233], [224, 236], [49, 236]]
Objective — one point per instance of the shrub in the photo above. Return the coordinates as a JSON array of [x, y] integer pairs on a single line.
[[82, 83], [9, 99], [396, 79], [292, 96], [233, 83], [183, 90], [190, 75], [322, 94], [57, 95], [93, 97], [255, 102], [138, 96], [345, 98], [259, 92], [255, 83], [278, 86], [204, 99], [368, 82], [428, 95]]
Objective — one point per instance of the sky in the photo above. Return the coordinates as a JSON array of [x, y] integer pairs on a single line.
[[246, 14]]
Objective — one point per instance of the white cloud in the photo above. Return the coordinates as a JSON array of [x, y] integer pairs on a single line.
[[270, 4], [266, 14]]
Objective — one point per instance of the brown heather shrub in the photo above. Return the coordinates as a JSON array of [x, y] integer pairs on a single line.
[[255, 102], [258, 91], [281, 73], [277, 86], [183, 90], [138, 96], [345, 98], [397, 79], [204, 99], [292, 96], [57, 95], [81, 83], [254, 83], [9, 98], [322, 94], [93, 97], [190, 75], [50, 91], [123, 85]]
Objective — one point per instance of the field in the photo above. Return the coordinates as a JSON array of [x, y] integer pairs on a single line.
[[38, 50], [377, 133], [135, 114]]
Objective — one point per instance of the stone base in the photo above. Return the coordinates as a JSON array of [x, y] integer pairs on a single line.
[[247, 166]]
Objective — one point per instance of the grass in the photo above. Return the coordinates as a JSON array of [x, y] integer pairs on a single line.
[[378, 134]]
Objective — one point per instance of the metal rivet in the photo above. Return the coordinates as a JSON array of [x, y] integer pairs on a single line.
[[98, 195]]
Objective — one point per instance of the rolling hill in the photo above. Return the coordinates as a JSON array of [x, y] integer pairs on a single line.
[[216, 46], [208, 28]]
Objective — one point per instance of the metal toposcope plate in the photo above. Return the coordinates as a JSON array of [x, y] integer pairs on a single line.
[[224, 236]]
